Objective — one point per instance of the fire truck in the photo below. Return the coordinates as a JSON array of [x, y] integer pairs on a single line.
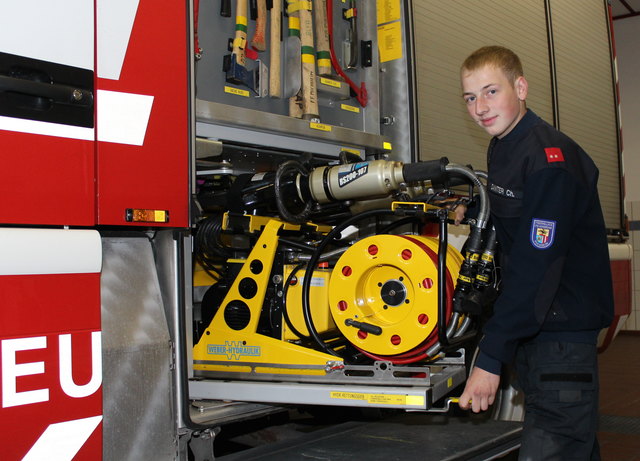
[[214, 209]]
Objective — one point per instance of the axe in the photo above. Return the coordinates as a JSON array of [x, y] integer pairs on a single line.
[[258, 42], [236, 67]]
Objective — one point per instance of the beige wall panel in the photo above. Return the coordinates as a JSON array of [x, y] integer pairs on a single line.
[[586, 102], [445, 34]]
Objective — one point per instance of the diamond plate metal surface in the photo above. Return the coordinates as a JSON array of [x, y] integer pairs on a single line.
[[137, 387]]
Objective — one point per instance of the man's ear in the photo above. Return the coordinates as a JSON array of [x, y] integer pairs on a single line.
[[522, 88]]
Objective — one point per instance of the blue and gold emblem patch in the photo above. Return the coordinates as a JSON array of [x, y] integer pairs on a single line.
[[542, 233]]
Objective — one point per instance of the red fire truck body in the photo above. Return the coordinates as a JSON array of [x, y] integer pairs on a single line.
[[69, 167]]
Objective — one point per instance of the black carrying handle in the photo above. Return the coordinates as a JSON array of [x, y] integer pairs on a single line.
[[368, 327], [56, 92]]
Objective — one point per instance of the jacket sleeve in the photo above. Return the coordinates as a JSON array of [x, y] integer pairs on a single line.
[[531, 280]]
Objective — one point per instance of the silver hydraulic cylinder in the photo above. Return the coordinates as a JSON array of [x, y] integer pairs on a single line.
[[368, 179]]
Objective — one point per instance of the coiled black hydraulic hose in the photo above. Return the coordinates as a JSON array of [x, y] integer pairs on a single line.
[[279, 191]]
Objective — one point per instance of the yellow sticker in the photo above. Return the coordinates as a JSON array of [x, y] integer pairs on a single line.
[[416, 400], [387, 10], [347, 107], [320, 126], [329, 82], [352, 151], [386, 145], [390, 41], [236, 91], [381, 399], [449, 382]]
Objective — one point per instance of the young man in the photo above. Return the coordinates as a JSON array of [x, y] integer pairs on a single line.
[[557, 291]]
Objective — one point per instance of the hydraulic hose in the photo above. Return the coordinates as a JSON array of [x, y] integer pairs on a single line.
[[483, 214], [442, 267], [452, 331], [280, 192], [481, 174], [285, 312], [463, 328]]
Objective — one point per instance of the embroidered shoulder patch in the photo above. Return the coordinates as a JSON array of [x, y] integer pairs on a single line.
[[554, 154], [542, 233]]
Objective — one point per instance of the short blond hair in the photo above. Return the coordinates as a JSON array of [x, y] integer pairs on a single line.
[[497, 56]]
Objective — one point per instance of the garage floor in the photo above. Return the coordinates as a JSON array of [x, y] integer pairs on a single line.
[[619, 434]]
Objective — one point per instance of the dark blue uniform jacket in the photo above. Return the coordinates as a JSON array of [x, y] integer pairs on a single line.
[[556, 272]]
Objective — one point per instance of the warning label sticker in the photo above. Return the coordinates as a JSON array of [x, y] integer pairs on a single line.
[[381, 399]]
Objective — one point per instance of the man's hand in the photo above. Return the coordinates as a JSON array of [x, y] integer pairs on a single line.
[[480, 391], [460, 210]]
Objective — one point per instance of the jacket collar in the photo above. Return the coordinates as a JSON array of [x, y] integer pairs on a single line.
[[524, 125]]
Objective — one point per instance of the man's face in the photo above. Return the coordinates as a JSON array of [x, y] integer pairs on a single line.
[[492, 101]]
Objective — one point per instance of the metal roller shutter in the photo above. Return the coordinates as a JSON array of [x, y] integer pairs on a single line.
[[445, 34], [586, 102]]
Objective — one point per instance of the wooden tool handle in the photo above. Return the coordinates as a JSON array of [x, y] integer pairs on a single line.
[[322, 37], [309, 88], [275, 47], [240, 39]]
